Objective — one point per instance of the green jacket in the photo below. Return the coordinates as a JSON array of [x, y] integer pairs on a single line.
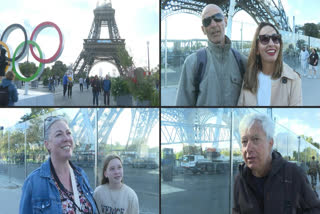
[[221, 82]]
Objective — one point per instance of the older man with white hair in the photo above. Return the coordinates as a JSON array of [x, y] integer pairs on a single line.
[[267, 183]]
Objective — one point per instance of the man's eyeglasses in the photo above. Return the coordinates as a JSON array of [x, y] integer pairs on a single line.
[[216, 17], [265, 39]]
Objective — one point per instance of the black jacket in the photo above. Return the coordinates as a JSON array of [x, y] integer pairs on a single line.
[[3, 61], [286, 191]]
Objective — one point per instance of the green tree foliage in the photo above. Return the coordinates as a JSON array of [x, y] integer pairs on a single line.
[[125, 59], [311, 29], [310, 140], [35, 112], [59, 69], [28, 68]]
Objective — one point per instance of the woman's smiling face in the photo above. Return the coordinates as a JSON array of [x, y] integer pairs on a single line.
[[268, 52]]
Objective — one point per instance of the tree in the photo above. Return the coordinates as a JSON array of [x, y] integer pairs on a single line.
[[28, 68], [311, 29], [310, 140], [125, 59], [59, 69], [35, 112]]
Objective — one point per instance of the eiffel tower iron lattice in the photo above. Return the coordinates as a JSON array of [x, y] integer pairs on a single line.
[[259, 10], [97, 49]]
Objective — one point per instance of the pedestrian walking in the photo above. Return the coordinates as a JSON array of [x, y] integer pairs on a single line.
[[65, 84], [313, 61], [81, 84], [95, 89], [106, 89], [304, 55]]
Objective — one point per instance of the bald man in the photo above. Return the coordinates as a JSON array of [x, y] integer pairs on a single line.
[[221, 80]]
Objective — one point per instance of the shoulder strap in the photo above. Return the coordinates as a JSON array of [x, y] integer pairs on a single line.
[[239, 61], [201, 68], [75, 189]]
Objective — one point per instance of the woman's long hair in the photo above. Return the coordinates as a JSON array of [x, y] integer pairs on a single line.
[[104, 179], [254, 62]]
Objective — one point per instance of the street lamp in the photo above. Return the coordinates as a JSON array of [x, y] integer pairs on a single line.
[[148, 56]]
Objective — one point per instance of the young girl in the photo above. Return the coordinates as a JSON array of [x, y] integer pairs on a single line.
[[113, 196]]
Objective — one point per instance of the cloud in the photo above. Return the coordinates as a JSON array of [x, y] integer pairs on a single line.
[[300, 127]]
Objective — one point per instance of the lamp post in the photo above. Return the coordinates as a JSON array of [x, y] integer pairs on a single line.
[[148, 56]]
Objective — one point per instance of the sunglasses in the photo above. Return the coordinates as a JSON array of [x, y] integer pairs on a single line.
[[50, 120], [216, 17], [265, 39]]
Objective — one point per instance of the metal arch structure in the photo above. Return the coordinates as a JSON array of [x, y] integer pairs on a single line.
[[87, 118], [98, 48], [259, 10], [203, 125], [142, 122]]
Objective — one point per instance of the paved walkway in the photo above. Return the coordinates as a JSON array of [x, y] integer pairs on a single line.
[[10, 193], [310, 97], [78, 98]]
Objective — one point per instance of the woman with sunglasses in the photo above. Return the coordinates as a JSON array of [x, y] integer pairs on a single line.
[[57, 186], [268, 81], [113, 196]]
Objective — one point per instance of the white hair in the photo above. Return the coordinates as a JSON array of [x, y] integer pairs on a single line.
[[265, 121]]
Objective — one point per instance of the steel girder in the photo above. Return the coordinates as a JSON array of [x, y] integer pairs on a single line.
[[142, 122], [86, 117], [259, 10], [107, 119], [204, 125]]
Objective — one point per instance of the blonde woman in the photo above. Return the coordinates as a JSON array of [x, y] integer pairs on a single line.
[[268, 81], [113, 196], [57, 186]]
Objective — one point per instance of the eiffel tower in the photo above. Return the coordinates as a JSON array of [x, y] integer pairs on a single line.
[[97, 49]]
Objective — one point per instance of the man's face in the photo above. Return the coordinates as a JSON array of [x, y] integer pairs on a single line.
[[215, 31], [256, 148], [303, 49]]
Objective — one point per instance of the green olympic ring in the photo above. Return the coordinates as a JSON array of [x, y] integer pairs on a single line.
[[17, 70]]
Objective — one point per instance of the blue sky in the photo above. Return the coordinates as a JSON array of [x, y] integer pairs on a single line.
[[137, 23], [186, 26]]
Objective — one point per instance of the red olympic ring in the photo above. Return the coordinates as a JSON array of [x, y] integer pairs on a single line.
[[34, 35]]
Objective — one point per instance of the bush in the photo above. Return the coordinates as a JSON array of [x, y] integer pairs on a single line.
[[143, 89], [119, 86]]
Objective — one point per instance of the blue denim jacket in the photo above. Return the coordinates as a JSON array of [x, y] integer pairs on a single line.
[[40, 194]]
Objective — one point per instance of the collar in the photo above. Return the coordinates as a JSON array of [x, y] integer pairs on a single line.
[[218, 48], [46, 172], [288, 72]]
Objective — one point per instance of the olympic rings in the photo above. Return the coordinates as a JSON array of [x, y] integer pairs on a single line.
[[6, 34], [25, 48], [34, 37], [17, 71], [8, 51]]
